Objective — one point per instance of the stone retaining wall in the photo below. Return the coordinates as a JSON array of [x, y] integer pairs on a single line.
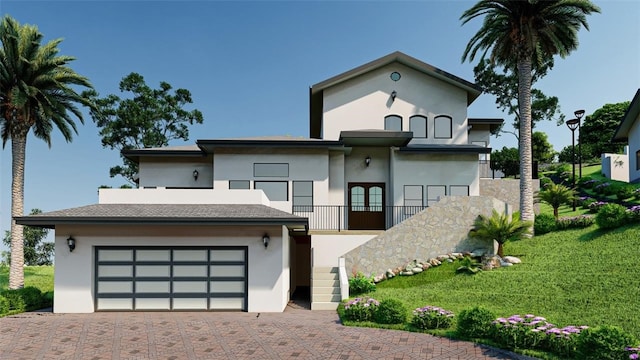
[[439, 229], [507, 190]]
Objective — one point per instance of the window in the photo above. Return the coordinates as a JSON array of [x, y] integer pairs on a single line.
[[303, 194], [483, 157], [459, 190], [393, 122], [238, 184], [434, 193], [275, 190], [270, 170], [418, 124], [412, 199], [442, 127]]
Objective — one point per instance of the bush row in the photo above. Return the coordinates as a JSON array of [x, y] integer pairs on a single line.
[[515, 332], [545, 223], [609, 216], [25, 299]]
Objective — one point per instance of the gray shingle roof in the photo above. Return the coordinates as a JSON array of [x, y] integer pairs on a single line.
[[170, 214]]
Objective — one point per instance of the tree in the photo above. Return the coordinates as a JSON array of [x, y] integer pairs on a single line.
[[598, 129], [567, 152], [542, 150], [36, 92], [528, 34], [36, 251], [150, 118], [501, 228], [505, 160], [504, 86], [556, 195]]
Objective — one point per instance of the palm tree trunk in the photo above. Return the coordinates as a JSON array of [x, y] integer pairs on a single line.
[[526, 172], [500, 252], [16, 272]]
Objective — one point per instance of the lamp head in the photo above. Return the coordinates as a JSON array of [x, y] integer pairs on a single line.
[[71, 242], [579, 114], [573, 124], [265, 240], [195, 175]]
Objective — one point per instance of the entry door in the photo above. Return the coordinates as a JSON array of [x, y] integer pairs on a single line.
[[366, 206]]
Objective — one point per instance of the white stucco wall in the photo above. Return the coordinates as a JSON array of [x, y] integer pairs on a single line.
[[181, 196], [175, 172], [616, 166], [363, 102], [327, 248], [74, 271], [634, 147]]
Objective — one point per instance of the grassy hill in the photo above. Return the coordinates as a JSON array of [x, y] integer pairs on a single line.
[[575, 277]]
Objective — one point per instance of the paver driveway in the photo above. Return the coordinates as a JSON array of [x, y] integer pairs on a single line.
[[294, 334]]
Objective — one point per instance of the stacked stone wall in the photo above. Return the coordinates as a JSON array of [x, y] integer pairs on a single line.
[[507, 190], [439, 229]]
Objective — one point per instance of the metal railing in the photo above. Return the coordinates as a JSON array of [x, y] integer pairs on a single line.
[[336, 217]]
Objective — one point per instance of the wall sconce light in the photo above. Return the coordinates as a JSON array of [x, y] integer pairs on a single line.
[[265, 240], [367, 160], [393, 95], [71, 242], [195, 175]]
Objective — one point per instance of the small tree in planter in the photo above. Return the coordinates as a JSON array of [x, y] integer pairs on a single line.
[[501, 228], [556, 195]]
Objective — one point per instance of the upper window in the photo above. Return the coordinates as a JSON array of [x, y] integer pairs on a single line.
[[303, 193], [418, 124], [270, 170], [412, 199], [393, 122], [275, 190], [434, 193], [442, 127], [238, 184]]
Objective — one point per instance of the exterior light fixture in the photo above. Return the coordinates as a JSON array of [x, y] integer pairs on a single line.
[[393, 95], [195, 175], [579, 114], [71, 242], [573, 124], [367, 160], [265, 240]]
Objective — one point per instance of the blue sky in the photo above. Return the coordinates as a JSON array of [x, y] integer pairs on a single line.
[[249, 66]]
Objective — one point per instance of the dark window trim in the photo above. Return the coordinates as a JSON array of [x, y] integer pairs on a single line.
[[171, 295], [272, 181], [247, 188], [451, 187], [435, 127], [394, 116], [426, 127], [404, 194], [435, 199], [293, 194], [277, 176]]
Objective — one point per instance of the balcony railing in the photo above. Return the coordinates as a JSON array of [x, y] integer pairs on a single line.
[[340, 218]]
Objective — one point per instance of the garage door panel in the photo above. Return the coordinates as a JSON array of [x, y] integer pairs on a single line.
[[179, 278]]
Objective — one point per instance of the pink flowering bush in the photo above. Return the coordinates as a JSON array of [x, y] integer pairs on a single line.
[[432, 317], [360, 309], [635, 352]]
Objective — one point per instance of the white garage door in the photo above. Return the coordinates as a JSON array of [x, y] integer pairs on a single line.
[[175, 278]]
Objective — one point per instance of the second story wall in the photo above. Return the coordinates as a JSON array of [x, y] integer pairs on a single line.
[[365, 101], [175, 172]]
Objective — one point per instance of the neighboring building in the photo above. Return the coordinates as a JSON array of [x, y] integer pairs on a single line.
[[387, 139], [629, 131]]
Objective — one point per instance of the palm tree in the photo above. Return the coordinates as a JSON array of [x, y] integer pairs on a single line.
[[35, 93], [501, 228], [526, 34], [556, 195]]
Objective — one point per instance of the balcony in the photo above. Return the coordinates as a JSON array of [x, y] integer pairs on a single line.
[[344, 217]]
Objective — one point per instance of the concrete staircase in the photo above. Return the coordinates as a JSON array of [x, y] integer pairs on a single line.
[[325, 288]]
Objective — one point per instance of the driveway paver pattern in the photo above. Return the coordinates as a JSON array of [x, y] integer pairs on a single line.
[[294, 334]]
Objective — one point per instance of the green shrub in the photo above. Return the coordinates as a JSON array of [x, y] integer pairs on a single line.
[[360, 284], [587, 182], [475, 322], [4, 305], [625, 192], [594, 207], [390, 311], [586, 202], [603, 343], [545, 181], [575, 222], [47, 299], [360, 309], [431, 317], [612, 189], [32, 297], [544, 223], [611, 216], [16, 303]]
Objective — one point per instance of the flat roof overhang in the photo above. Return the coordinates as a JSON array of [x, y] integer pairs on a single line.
[[445, 149], [375, 137], [210, 145], [494, 123]]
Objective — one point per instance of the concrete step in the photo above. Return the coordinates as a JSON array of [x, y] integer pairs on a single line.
[[324, 270], [325, 276], [326, 283], [325, 297], [318, 305], [326, 290]]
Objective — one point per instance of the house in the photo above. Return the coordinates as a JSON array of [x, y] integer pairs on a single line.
[[242, 224], [629, 131]]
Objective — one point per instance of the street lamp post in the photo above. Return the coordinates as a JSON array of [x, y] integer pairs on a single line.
[[579, 114], [573, 124]]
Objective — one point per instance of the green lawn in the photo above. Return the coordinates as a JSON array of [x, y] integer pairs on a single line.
[[38, 276], [574, 277]]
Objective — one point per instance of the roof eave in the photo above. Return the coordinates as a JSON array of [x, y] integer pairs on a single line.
[[630, 116]]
